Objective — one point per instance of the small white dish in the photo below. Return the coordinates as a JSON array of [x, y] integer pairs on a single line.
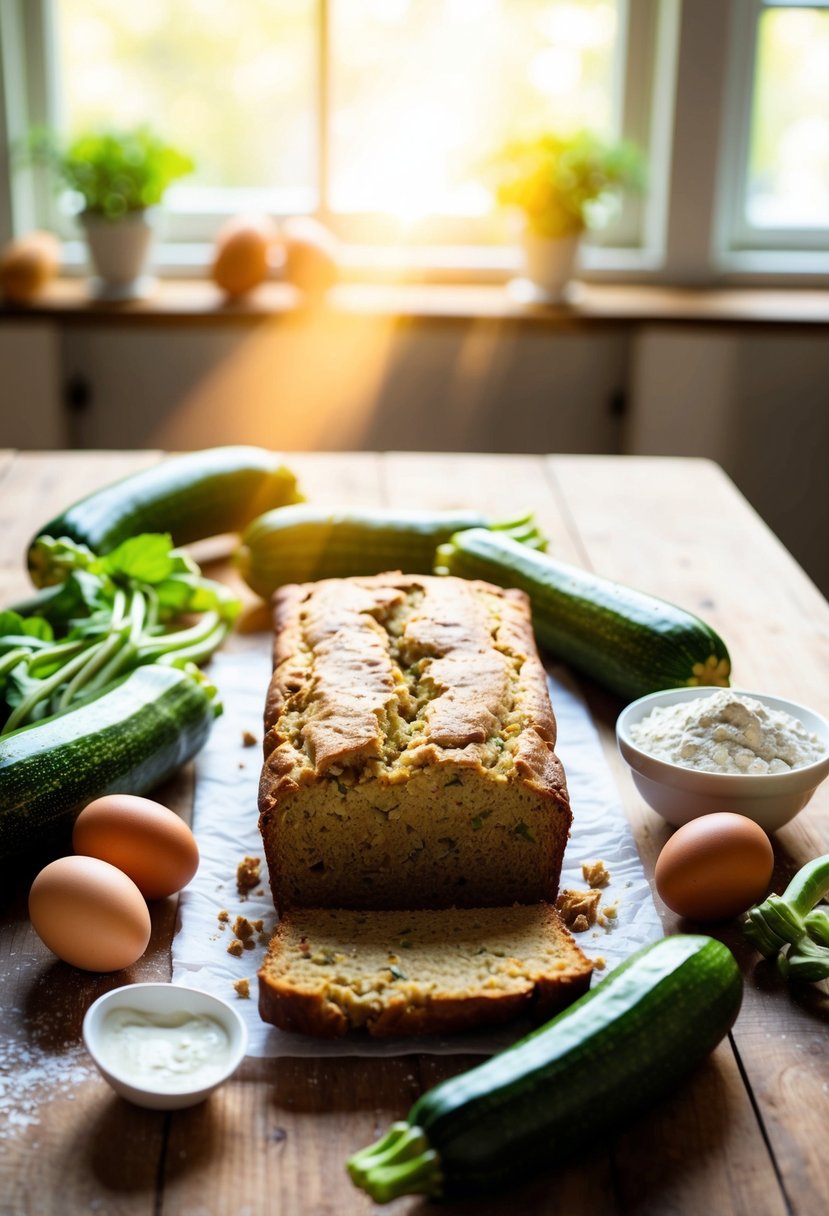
[[161, 1003], [680, 794]]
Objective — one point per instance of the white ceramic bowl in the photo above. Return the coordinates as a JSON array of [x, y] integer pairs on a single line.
[[163, 1000], [679, 794]]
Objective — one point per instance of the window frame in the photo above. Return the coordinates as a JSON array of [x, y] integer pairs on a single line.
[[684, 96], [740, 243]]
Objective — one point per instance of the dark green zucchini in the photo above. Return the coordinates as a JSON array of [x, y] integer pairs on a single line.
[[557, 1092], [299, 544], [628, 641], [127, 740], [193, 496]]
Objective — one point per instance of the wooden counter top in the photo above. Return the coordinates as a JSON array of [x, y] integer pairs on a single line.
[[745, 1135]]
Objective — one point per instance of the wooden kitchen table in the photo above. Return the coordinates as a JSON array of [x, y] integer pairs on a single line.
[[746, 1134]]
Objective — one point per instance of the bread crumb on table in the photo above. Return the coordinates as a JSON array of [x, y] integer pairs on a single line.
[[242, 988], [236, 948], [248, 875], [249, 739], [595, 873], [578, 909], [244, 929]]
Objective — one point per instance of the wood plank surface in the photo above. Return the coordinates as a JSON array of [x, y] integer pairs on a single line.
[[55, 1157], [712, 554], [198, 301], [742, 1137]]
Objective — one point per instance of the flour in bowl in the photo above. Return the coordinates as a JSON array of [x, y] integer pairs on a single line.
[[727, 733]]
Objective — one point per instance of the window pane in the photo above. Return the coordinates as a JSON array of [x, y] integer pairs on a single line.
[[788, 183], [425, 91], [233, 85]]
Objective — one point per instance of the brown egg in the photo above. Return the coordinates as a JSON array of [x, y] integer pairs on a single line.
[[141, 837], [242, 253], [27, 265], [89, 914], [715, 867], [311, 259]]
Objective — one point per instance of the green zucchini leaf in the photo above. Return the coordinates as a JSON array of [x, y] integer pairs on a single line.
[[143, 559], [189, 592], [13, 626], [19, 684]]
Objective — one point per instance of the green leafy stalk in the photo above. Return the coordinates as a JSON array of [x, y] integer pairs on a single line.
[[97, 618], [790, 929], [39, 691]]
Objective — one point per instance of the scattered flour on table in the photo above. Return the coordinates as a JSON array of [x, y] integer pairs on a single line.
[[727, 733], [30, 1076]]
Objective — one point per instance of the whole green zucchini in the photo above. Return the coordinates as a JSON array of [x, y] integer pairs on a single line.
[[609, 1056], [127, 740], [193, 496], [299, 544], [628, 641]]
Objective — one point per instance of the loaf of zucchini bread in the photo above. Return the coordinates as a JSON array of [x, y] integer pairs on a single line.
[[409, 748], [331, 971]]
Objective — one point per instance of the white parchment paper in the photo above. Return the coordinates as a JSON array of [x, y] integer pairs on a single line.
[[225, 825]]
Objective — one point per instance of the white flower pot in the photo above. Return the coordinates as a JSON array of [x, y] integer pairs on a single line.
[[119, 251], [548, 264]]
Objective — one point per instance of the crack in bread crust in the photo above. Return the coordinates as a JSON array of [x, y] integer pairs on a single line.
[[418, 703]]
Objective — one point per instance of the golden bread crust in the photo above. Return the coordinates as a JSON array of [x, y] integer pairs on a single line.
[[386, 691]]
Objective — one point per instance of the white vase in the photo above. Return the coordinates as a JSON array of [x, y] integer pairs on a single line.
[[119, 252], [548, 264]]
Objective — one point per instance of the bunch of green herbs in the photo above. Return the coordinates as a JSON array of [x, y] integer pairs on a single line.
[[98, 618]]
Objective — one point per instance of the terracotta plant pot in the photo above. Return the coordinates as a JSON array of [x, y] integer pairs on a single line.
[[119, 251]]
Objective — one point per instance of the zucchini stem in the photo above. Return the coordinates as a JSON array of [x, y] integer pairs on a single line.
[[45, 688], [401, 1163], [12, 658], [197, 652], [57, 652], [789, 928], [112, 645]]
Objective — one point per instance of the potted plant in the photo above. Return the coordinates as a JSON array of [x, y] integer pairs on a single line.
[[118, 177], [563, 185]]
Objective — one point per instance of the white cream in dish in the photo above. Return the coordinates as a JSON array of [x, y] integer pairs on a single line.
[[727, 733], [171, 1051]]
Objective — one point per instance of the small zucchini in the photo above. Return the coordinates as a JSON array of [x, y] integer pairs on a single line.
[[299, 544], [127, 740], [193, 496], [628, 641], [609, 1056]]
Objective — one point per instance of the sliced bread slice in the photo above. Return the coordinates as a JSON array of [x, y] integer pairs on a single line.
[[329, 971]]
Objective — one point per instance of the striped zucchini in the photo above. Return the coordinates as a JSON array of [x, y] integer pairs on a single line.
[[127, 740], [193, 496], [609, 1056], [629, 642], [299, 544]]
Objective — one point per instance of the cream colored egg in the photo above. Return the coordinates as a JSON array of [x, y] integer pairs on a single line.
[[146, 840], [715, 867], [89, 914]]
